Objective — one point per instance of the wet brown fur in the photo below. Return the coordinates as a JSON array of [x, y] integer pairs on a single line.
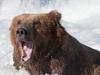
[[56, 51]]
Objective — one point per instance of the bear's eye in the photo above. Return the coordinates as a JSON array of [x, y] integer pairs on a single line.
[[36, 24], [18, 22]]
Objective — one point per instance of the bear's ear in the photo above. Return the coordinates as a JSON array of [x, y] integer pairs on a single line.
[[55, 15]]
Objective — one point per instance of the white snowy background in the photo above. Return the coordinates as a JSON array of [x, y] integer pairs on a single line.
[[81, 18]]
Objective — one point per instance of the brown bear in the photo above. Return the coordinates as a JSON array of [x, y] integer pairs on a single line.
[[42, 45]]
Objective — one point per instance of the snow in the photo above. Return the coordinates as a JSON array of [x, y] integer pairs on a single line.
[[81, 18], [10, 70]]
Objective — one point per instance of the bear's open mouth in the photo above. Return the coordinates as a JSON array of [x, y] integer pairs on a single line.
[[26, 50]]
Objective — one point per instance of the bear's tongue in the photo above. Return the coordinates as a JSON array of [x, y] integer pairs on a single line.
[[27, 50]]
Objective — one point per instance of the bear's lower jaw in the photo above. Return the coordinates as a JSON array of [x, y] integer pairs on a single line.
[[26, 50]]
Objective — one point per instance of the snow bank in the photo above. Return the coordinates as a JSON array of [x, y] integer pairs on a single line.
[[72, 10], [10, 70]]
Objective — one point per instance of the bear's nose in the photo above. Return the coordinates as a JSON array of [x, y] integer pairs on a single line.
[[21, 32]]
